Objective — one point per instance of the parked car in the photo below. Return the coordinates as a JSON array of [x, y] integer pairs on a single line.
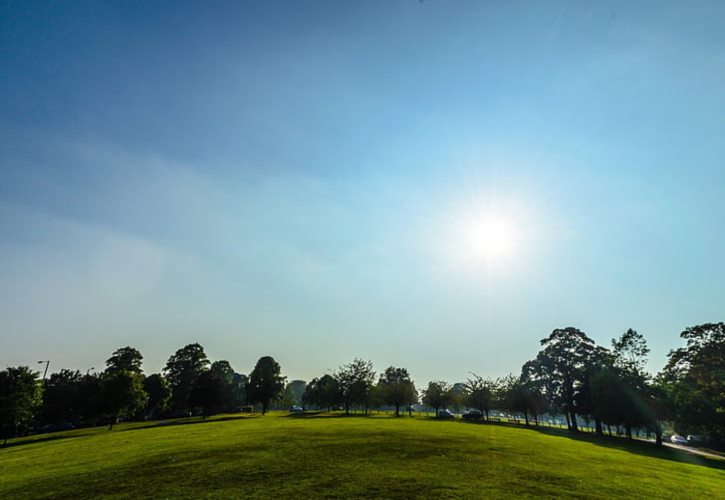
[[296, 409], [695, 440], [678, 440], [472, 415], [445, 414]]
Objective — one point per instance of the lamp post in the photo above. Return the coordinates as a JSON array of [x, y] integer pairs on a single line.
[[47, 363]]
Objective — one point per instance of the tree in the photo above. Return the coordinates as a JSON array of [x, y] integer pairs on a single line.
[[695, 382], [20, 396], [122, 395], [225, 373], [159, 394], [396, 388], [297, 387], [124, 359], [208, 392], [265, 382], [355, 380], [560, 366], [323, 392], [480, 393], [437, 395], [61, 397], [182, 369], [90, 395]]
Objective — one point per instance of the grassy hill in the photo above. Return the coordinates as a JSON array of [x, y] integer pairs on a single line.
[[285, 456]]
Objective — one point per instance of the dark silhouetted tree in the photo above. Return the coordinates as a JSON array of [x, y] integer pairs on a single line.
[[182, 369], [265, 382], [159, 395], [124, 359], [122, 395], [561, 367], [61, 397], [20, 397], [208, 392], [694, 378]]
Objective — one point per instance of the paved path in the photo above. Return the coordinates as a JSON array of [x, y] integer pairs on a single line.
[[695, 451]]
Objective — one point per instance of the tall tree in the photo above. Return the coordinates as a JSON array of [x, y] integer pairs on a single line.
[[208, 392], [480, 393], [695, 381], [265, 382], [297, 387], [560, 365], [355, 381], [124, 359], [437, 395], [20, 396], [323, 392], [182, 369], [123, 395], [396, 388], [61, 397], [225, 373], [159, 394]]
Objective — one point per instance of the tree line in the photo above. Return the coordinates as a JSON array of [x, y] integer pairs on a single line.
[[571, 376]]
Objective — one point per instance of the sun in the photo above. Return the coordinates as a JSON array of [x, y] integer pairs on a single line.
[[492, 238]]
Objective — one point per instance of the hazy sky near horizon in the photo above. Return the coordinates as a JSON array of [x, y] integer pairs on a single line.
[[295, 179]]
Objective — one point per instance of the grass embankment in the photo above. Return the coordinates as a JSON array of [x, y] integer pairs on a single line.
[[283, 456]]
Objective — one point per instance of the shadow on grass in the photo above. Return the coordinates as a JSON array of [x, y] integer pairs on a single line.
[[29, 440], [189, 421], [617, 443]]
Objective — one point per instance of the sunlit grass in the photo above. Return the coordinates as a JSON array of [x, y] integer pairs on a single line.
[[279, 456]]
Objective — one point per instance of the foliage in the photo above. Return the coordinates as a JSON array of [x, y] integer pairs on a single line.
[[159, 395], [560, 367], [323, 392], [124, 359], [182, 369], [209, 392], [20, 395], [480, 393], [396, 388], [122, 395], [437, 395], [265, 382], [62, 400], [695, 375], [355, 381]]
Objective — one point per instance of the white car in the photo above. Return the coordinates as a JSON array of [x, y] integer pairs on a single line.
[[446, 414], [678, 440]]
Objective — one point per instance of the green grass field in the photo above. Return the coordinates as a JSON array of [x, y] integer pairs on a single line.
[[312, 456]]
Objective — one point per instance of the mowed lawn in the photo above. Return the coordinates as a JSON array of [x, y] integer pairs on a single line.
[[308, 456]]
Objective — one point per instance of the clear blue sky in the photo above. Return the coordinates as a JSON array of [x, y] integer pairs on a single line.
[[292, 179]]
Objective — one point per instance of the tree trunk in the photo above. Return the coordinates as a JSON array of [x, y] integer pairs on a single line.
[[110, 424], [568, 422], [629, 432], [397, 410], [598, 425], [526, 417], [536, 420], [264, 408], [574, 425], [347, 407], [410, 410]]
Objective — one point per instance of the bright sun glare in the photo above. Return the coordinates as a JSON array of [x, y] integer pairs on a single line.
[[491, 238]]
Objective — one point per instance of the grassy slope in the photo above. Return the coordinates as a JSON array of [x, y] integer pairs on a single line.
[[285, 456]]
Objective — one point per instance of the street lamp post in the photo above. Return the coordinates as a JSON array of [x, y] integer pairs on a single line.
[[47, 364]]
